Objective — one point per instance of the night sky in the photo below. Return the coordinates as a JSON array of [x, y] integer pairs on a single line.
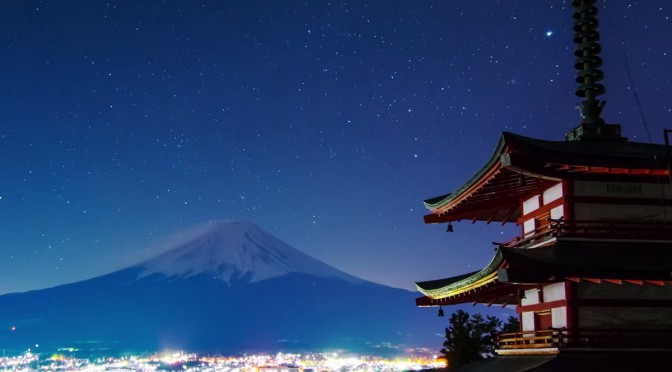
[[127, 125]]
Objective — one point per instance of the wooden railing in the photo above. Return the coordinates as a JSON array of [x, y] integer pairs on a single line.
[[623, 230], [526, 340], [587, 338]]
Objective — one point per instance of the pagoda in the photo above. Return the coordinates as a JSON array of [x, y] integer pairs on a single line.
[[592, 267]]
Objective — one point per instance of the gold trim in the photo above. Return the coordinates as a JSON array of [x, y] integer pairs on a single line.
[[479, 283]]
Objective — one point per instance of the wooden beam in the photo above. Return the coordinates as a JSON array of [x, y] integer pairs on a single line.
[[509, 214], [474, 213], [473, 188], [432, 218], [491, 218], [541, 306], [507, 300], [541, 210]]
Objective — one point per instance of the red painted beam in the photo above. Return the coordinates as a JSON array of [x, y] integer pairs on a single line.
[[541, 306]]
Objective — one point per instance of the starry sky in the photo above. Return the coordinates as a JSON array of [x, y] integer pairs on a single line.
[[126, 125]]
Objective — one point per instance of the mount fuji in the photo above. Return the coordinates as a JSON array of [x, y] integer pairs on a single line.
[[233, 289], [237, 252]]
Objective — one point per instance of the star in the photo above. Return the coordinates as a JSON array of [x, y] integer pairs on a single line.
[[303, 110]]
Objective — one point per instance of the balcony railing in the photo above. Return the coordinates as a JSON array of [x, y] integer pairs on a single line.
[[526, 340], [587, 338], [598, 230]]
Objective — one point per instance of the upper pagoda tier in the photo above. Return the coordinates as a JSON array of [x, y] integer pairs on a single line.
[[521, 165]]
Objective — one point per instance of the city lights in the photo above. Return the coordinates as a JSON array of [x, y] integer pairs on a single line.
[[280, 362]]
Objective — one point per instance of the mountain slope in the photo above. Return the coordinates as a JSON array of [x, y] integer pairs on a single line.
[[237, 251], [234, 289]]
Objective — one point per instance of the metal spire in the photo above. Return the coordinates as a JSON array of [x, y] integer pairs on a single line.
[[589, 75], [588, 62]]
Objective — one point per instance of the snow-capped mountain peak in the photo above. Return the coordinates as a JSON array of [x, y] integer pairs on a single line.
[[238, 251]]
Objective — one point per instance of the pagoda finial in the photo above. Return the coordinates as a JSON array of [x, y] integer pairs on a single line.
[[588, 62]]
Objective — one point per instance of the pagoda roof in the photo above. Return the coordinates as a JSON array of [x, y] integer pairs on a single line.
[[589, 259], [478, 286], [520, 166], [595, 261]]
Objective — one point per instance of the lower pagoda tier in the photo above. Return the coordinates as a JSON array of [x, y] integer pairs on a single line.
[[512, 270], [572, 294]]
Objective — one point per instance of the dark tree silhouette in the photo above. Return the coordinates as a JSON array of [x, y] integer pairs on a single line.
[[471, 338], [512, 325]]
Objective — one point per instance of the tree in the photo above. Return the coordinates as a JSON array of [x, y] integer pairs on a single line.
[[471, 338], [512, 325]]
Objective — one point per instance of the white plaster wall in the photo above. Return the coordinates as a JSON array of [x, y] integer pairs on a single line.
[[554, 292], [531, 204], [528, 321], [552, 193], [559, 317], [531, 297], [529, 226], [557, 212]]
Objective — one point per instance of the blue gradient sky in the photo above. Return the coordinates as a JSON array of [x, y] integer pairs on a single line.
[[126, 125]]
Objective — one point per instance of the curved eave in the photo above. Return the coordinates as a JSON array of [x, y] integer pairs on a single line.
[[441, 201], [463, 283], [490, 294], [497, 199]]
